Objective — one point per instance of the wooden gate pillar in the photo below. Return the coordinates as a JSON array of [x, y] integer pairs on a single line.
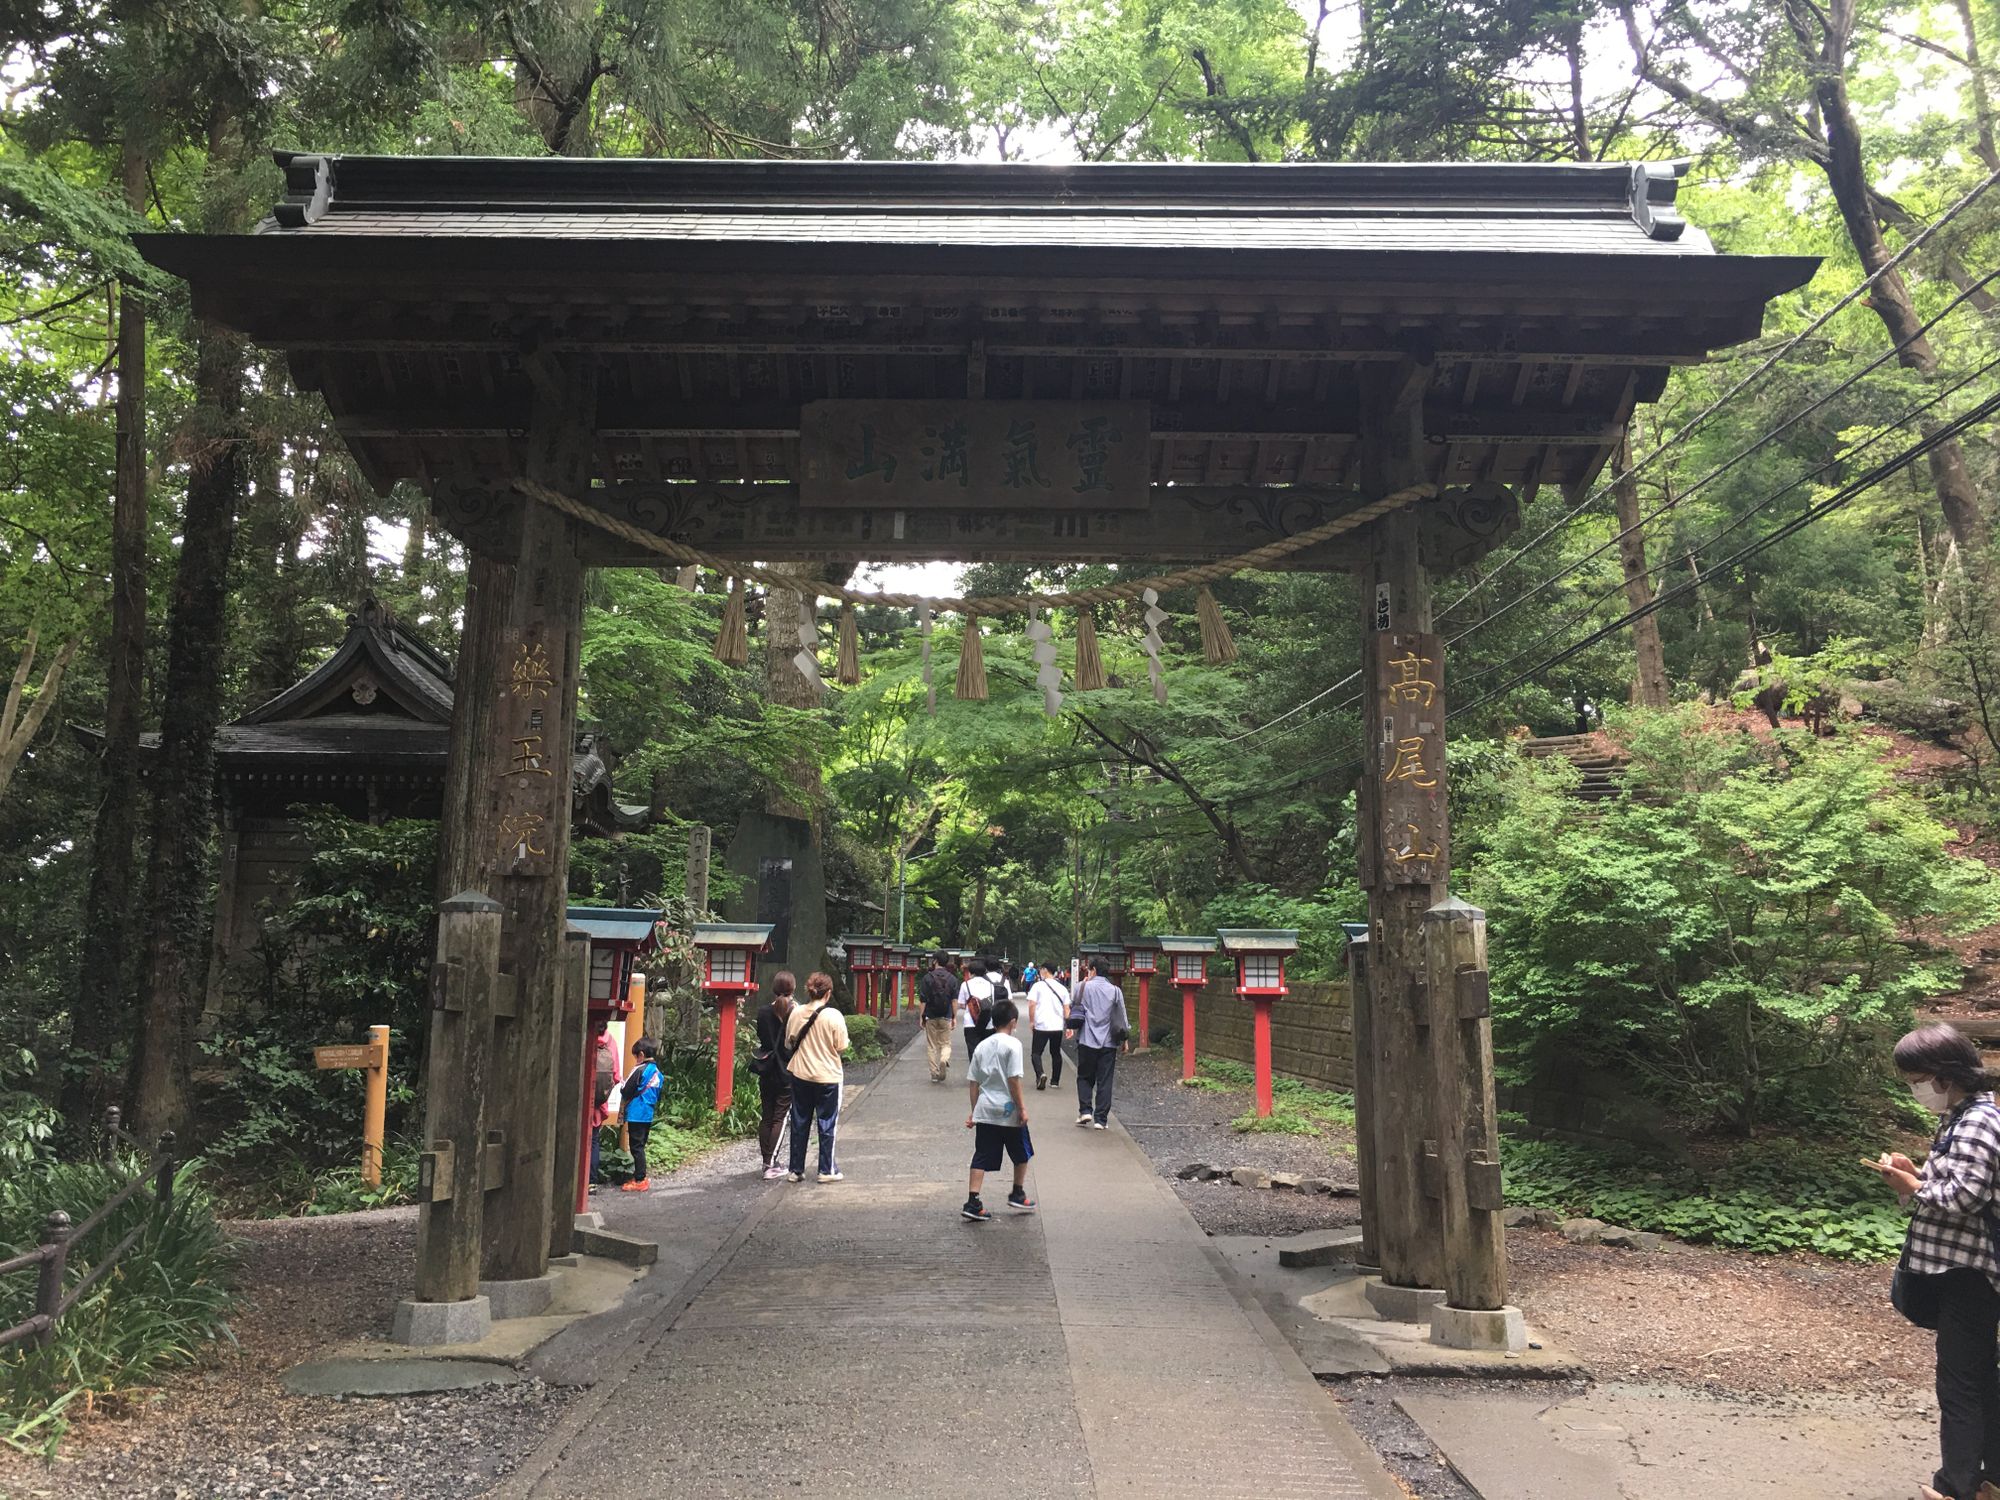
[[507, 800], [1404, 838], [1462, 1106]]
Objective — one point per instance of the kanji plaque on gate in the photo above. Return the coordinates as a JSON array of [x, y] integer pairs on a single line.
[[1010, 455], [1410, 781], [534, 789]]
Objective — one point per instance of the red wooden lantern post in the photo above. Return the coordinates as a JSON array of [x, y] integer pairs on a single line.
[[1187, 961], [1260, 979], [864, 962], [729, 966], [1142, 961], [618, 937], [898, 960]]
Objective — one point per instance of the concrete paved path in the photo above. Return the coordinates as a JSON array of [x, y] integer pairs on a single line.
[[859, 1337]]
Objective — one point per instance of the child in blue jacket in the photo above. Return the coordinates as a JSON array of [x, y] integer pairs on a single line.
[[642, 1099]]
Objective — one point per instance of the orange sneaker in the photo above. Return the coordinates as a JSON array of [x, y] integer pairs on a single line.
[[644, 1184]]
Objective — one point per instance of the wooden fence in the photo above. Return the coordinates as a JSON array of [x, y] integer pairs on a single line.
[[50, 1258], [1312, 1029]]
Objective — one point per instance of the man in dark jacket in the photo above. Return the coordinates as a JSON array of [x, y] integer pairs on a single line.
[[938, 989]]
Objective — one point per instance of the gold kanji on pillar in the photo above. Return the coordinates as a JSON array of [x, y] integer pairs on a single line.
[[533, 790], [1409, 717]]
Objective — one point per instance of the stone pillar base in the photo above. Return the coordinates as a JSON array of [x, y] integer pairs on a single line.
[[425, 1324], [1402, 1304], [523, 1297], [591, 1219], [1497, 1330]]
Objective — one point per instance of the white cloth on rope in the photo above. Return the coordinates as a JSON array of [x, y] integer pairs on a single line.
[[1048, 676], [1150, 643], [807, 659]]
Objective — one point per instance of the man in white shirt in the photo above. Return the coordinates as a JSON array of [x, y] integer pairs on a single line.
[[999, 1117], [1048, 1012], [984, 985]]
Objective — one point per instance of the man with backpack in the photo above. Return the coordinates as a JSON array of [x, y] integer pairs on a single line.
[[984, 987], [938, 990]]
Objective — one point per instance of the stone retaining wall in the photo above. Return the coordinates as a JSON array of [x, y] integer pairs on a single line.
[[1312, 1029]]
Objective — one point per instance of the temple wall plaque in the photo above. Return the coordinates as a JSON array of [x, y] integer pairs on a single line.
[[1016, 455]]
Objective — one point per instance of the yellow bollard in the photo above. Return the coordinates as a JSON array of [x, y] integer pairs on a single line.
[[375, 1111]]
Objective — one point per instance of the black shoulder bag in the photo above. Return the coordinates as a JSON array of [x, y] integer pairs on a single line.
[[789, 1050]]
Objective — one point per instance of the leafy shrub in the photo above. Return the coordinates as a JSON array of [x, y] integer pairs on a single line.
[[351, 950], [864, 1033], [165, 1299], [26, 1119], [1738, 932], [1775, 1196]]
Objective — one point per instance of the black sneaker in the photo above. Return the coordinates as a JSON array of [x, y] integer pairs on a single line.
[[975, 1211], [1041, 1083], [1019, 1199]]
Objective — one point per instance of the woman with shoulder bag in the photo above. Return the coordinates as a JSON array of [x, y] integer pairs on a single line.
[[767, 1061], [1949, 1274]]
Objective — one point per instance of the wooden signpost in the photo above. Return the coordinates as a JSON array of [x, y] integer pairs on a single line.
[[373, 1056]]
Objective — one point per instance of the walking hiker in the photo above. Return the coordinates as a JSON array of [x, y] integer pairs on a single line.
[[1048, 1014], [1101, 1031], [774, 1084], [939, 991], [1949, 1274], [999, 1117], [642, 1089], [985, 986], [605, 1076], [816, 1035]]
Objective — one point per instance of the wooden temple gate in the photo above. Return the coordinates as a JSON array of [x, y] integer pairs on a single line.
[[784, 361]]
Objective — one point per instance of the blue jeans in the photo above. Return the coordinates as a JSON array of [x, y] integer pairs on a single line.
[[810, 1102]]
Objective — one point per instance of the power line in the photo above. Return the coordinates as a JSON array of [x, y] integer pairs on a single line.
[[1715, 473], [1762, 505], [1888, 468], [1688, 428], [1739, 456]]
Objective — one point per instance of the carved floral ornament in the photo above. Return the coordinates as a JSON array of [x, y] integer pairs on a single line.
[[732, 641]]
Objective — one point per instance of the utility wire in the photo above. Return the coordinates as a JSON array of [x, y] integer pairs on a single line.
[[1738, 457], [1887, 469], [1715, 473], [1688, 428], [1762, 505]]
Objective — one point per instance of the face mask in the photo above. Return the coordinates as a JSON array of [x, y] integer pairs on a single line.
[[1931, 1097]]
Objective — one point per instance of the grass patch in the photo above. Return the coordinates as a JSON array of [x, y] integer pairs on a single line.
[[1772, 1196], [1297, 1107], [168, 1298]]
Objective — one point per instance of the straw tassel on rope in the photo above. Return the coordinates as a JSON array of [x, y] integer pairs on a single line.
[[971, 664], [847, 660], [1089, 673], [732, 641], [1216, 642]]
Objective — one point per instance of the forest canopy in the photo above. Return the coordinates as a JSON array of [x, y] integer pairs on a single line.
[[183, 533]]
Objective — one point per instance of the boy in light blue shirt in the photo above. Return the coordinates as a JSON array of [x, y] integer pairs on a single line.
[[999, 1118]]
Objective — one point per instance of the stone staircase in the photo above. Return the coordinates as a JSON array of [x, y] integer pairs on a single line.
[[1599, 762]]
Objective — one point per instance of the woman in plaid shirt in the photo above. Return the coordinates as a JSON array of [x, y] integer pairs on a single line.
[[1951, 1243]]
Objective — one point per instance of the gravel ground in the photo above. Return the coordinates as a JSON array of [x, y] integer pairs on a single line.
[[227, 1429], [1369, 1404], [1177, 1125], [1698, 1317], [1719, 1320]]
